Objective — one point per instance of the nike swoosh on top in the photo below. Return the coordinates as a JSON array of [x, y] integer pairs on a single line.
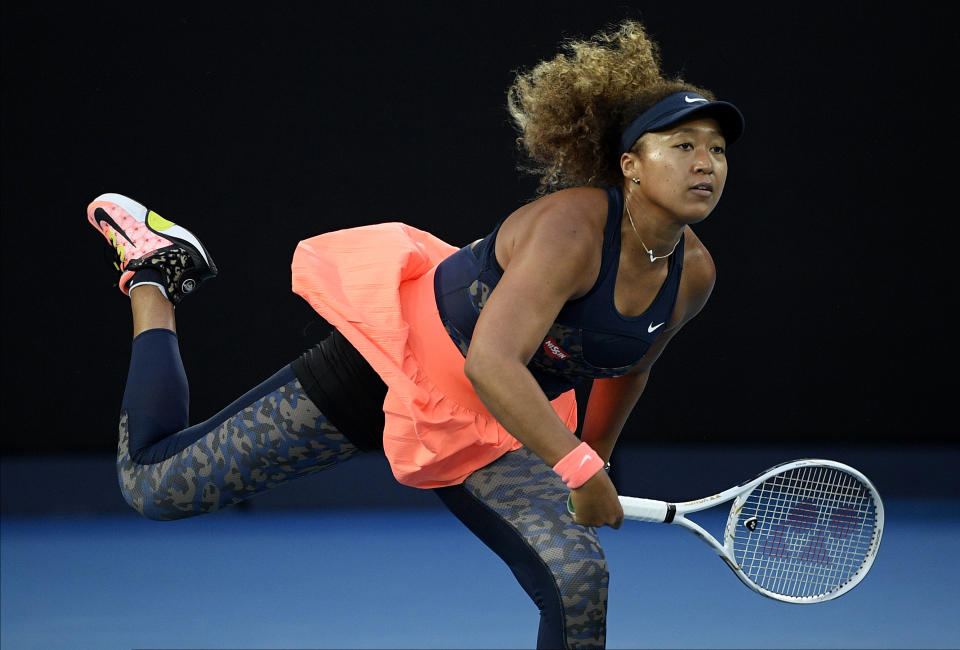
[[104, 216], [583, 460], [691, 100], [651, 327]]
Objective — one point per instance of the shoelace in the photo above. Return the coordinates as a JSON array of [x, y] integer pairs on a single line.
[[119, 248]]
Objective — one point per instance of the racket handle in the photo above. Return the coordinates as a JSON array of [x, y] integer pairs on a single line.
[[645, 509]]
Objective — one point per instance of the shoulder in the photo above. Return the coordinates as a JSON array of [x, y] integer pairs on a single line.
[[699, 276], [576, 199], [574, 217], [563, 229]]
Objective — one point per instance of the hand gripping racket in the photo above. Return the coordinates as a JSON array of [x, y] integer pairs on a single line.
[[802, 532]]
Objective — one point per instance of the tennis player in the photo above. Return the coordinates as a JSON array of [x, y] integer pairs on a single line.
[[459, 363]]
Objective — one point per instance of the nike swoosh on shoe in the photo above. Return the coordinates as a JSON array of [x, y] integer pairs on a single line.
[[103, 216]]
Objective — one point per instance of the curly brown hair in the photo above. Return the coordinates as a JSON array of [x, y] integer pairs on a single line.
[[571, 110]]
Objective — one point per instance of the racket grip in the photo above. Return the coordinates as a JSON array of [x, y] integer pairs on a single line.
[[644, 509]]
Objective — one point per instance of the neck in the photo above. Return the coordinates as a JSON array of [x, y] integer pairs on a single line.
[[651, 230]]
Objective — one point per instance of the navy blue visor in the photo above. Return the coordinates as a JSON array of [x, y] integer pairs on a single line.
[[680, 107]]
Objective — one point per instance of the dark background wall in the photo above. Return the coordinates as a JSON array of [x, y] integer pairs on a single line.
[[258, 126]]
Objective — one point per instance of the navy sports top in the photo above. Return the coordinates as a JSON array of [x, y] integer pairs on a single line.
[[589, 337]]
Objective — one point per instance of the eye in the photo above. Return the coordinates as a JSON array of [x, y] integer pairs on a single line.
[[718, 149], [685, 146]]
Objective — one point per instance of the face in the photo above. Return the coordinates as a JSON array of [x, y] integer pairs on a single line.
[[682, 170]]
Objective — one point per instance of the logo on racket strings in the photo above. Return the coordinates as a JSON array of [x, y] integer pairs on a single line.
[[808, 533]]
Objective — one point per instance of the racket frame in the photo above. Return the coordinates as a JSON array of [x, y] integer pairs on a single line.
[[651, 510]]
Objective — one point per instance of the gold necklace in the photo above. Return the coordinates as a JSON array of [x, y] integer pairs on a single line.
[[649, 251]]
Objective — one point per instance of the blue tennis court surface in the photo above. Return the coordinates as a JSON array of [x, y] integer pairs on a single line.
[[416, 578]]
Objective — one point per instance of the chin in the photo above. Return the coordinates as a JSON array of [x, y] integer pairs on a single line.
[[691, 216]]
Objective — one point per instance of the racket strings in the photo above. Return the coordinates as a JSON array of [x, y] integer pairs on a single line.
[[796, 544], [797, 548], [813, 529]]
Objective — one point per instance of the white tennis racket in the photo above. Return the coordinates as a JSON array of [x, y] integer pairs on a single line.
[[802, 532]]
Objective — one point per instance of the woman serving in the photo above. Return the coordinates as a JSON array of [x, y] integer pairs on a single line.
[[459, 363]]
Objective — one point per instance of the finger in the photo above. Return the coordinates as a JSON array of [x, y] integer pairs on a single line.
[[578, 519]]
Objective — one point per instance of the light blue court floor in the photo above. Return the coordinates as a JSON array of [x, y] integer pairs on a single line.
[[416, 578]]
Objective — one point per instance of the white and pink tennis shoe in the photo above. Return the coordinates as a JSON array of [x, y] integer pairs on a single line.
[[141, 238]]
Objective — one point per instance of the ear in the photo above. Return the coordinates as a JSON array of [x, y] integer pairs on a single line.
[[630, 165]]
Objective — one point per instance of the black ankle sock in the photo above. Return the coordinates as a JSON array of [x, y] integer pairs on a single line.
[[146, 275]]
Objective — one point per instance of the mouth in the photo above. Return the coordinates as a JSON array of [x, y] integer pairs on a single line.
[[702, 189]]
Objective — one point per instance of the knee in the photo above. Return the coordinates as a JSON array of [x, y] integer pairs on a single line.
[[156, 510], [582, 585], [144, 490], [587, 575], [147, 506]]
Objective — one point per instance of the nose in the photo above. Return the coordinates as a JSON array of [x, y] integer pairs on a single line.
[[703, 163]]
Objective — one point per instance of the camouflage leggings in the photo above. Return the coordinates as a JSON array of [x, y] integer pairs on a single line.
[[275, 433], [516, 505], [278, 437]]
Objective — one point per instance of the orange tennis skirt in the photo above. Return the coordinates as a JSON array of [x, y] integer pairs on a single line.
[[375, 285]]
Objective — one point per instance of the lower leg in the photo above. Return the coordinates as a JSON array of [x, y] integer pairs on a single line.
[[156, 400], [517, 507], [167, 470], [270, 436], [151, 310]]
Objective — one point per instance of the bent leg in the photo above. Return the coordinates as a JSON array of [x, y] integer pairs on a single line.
[[271, 435], [166, 470], [517, 507]]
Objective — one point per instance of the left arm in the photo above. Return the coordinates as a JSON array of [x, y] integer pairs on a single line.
[[612, 400]]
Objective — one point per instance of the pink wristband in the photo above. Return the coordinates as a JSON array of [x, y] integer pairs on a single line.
[[579, 466]]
